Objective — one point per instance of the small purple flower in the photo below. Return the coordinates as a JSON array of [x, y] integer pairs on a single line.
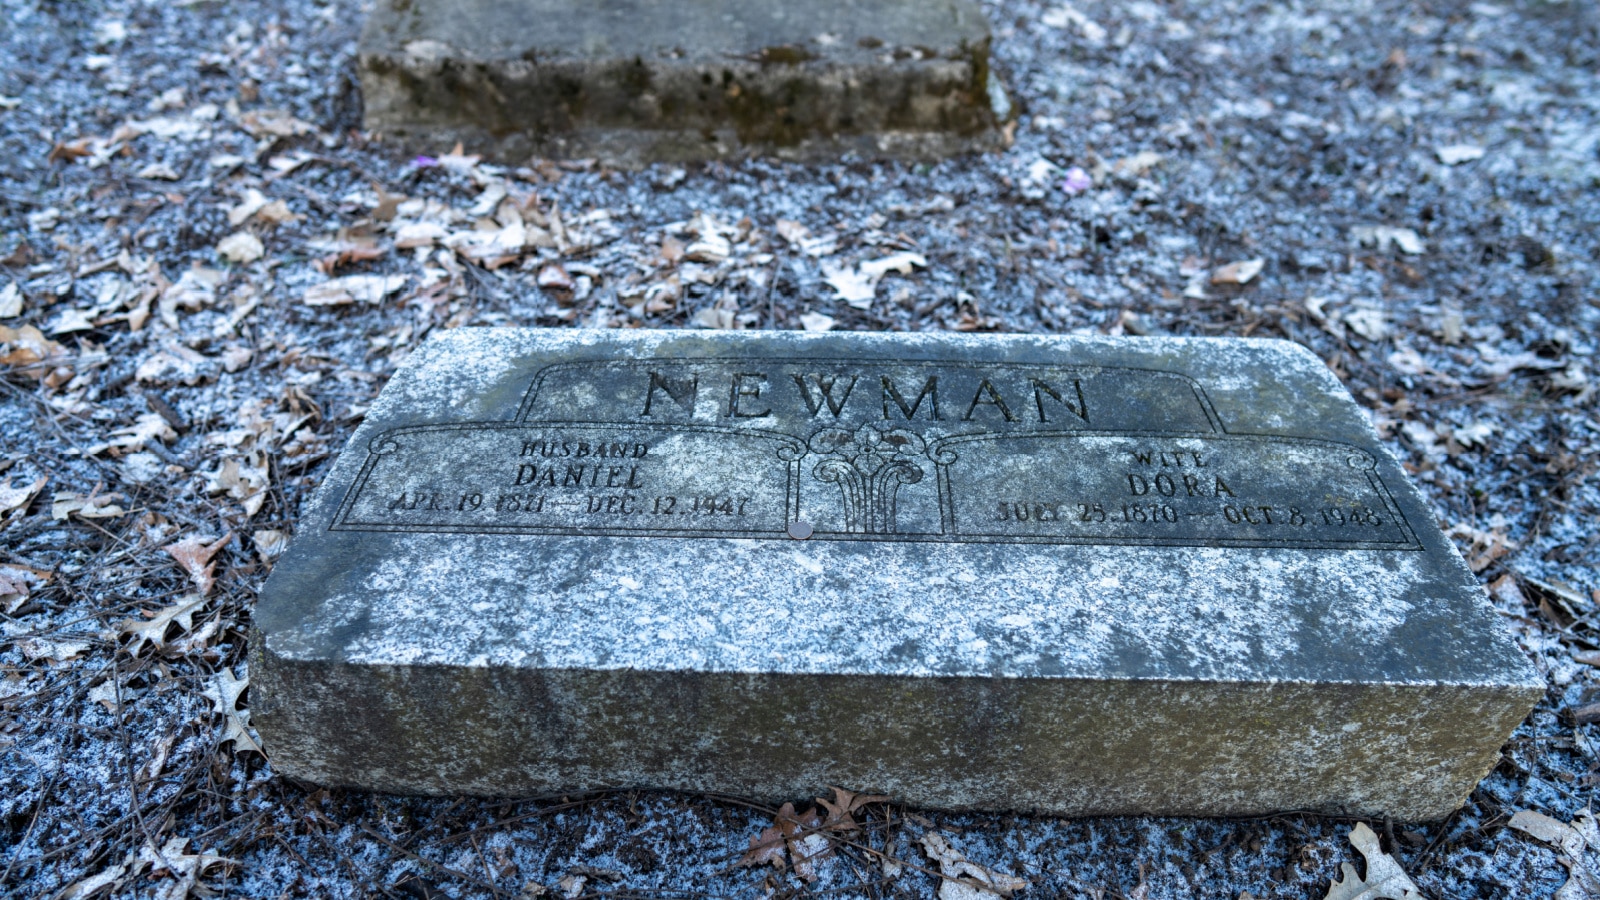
[[1076, 182], [424, 162]]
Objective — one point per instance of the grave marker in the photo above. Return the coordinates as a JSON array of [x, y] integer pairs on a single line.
[[635, 81], [1076, 575]]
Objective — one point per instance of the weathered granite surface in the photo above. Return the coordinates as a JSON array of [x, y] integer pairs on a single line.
[[1076, 575], [634, 81]]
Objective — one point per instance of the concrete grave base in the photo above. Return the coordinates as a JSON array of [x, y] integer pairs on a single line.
[[1072, 575], [635, 81]]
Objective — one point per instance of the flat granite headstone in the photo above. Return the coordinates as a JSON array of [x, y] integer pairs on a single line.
[[644, 80], [1072, 575]]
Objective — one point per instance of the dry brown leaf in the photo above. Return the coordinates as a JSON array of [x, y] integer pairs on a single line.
[[94, 884], [273, 123], [843, 806], [196, 289], [347, 252], [10, 301], [17, 582], [93, 506], [57, 651], [1238, 272], [194, 557], [241, 247], [964, 879], [174, 364], [1138, 164], [793, 838], [815, 321], [148, 427], [224, 691], [185, 868], [153, 630], [353, 289], [1574, 843], [801, 839], [14, 500], [28, 348], [1385, 879], [269, 543], [71, 150], [243, 479]]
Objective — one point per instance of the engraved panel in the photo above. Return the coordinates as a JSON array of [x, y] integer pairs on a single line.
[[682, 481], [878, 451], [1211, 490]]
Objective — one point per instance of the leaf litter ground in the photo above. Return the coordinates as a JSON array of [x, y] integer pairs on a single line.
[[207, 272]]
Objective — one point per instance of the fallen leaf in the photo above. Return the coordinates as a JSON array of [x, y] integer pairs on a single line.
[[1238, 272], [843, 806], [353, 289], [36, 649], [554, 277], [1138, 164], [185, 868], [815, 321], [1575, 844], [1062, 16], [241, 247], [17, 582], [1456, 154], [28, 348], [273, 123], [243, 479], [964, 879], [1381, 236], [410, 235], [106, 693], [275, 213], [903, 263], [10, 301], [1569, 840], [94, 884], [70, 150], [174, 364], [1368, 322], [852, 286], [158, 172], [285, 163], [1385, 879], [195, 289], [16, 499], [269, 542], [93, 506], [153, 630], [252, 203], [709, 248], [793, 837], [348, 249], [72, 320], [224, 691], [792, 231], [713, 317], [194, 557]]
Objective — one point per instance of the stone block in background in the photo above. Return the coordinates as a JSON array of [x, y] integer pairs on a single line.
[[1074, 575], [634, 81]]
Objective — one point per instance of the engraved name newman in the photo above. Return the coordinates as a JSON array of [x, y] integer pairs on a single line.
[[873, 450]]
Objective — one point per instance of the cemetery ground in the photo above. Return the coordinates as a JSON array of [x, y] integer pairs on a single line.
[[207, 271]]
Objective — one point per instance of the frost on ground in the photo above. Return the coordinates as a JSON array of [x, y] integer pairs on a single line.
[[207, 272]]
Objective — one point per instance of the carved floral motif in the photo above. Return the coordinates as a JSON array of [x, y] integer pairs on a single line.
[[868, 465]]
